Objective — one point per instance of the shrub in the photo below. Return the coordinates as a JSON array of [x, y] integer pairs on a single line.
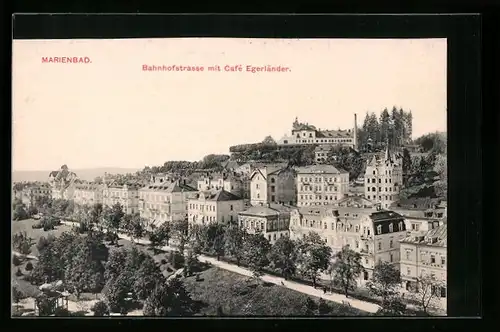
[[16, 261], [61, 312], [100, 309], [18, 272], [42, 243], [29, 266]]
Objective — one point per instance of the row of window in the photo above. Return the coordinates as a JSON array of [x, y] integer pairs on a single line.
[[379, 189], [318, 197], [318, 179], [380, 198], [319, 188], [379, 180]]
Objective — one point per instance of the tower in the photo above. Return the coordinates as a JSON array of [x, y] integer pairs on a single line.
[[355, 132]]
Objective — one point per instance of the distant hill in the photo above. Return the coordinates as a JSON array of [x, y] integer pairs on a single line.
[[88, 174]]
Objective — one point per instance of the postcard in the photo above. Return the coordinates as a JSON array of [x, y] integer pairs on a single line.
[[229, 177]]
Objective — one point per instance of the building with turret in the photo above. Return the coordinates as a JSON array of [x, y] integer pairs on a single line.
[[384, 178], [304, 133]]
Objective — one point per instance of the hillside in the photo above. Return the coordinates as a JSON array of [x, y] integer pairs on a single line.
[[88, 174]]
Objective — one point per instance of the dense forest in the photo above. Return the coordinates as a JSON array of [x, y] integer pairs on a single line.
[[394, 127]]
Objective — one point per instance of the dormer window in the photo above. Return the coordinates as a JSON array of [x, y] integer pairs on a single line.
[[401, 226], [379, 229], [391, 228]]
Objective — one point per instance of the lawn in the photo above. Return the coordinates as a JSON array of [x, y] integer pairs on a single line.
[[239, 295], [36, 234]]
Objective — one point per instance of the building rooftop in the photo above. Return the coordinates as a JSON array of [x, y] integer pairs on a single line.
[[169, 187], [435, 237], [417, 203], [219, 196], [267, 210], [385, 215], [334, 134], [322, 169]]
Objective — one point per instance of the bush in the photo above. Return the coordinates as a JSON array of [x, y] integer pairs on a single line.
[[61, 312], [29, 266], [176, 259], [16, 261], [100, 309], [18, 272]]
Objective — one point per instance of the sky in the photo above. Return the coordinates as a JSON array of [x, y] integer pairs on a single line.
[[111, 113]]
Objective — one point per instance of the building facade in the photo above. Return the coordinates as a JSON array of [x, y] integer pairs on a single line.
[[227, 181], [273, 184], [321, 153], [381, 232], [87, 194], [31, 193], [126, 195], [304, 133], [163, 201], [384, 179], [423, 254], [214, 206], [270, 220], [321, 185]]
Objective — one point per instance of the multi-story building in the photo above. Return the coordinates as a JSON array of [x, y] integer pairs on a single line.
[[270, 220], [87, 194], [227, 181], [321, 185], [31, 193], [62, 183], [424, 254], [421, 214], [163, 201], [384, 179], [127, 195], [381, 232], [273, 184], [303, 134], [214, 206]]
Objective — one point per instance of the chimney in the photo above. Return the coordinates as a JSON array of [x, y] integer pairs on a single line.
[[355, 136]]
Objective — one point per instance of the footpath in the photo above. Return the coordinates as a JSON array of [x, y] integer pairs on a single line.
[[305, 289]]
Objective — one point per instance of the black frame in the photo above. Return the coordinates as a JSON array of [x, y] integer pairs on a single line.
[[464, 116]]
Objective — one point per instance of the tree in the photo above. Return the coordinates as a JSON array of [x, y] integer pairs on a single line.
[[180, 232], [115, 265], [114, 218], [159, 236], [373, 128], [393, 306], [234, 242], [255, 251], [441, 168], [314, 256], [96, 214], [146, 278], [198, 238], [406, 161], [19, 212], [215, 239], [22, 243], [32, 210], [29, 266], [134, 226], [269, 140], [427, 292], [85, 272], [284, 256], [385, 124], [100, 309], [190, 261], [397, 127], [116, 292], [346, 269], [385, 282], [169, 299], [347, 159]]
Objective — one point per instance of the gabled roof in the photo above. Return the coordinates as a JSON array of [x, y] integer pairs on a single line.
[[267, 211], [219, 196], [334, 134], [53, 173], [385, 215], [440, 234]]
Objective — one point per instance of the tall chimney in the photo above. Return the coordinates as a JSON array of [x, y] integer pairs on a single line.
[[355, 132]]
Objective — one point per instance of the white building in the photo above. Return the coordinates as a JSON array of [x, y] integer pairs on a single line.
[[270, 220], [321, 185], [214, 206]]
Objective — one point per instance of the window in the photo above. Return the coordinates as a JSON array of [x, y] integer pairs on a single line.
[[401, 226], [273, 180], [391, 244], [231, 207], [374, 172], [366, 261], [391, 229], [433, 259], [443, 261], [273, 188], [380, 246], [379, 180], [365, 275], [379, 229], [272, 198], [390, 257], [256, 186], [443, 292]]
